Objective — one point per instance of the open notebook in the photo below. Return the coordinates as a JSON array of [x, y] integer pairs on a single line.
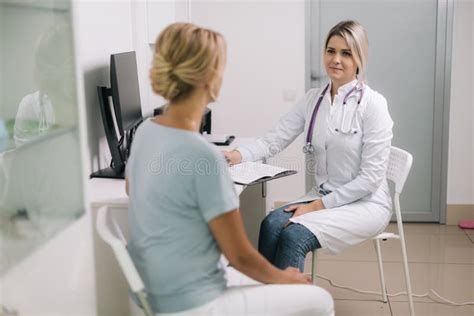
[[248, 173]]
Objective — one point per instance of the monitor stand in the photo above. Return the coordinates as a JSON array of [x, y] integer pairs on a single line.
[[113, 138], [108, 173]]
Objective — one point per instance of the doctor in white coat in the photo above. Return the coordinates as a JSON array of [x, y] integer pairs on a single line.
[[348, 132]]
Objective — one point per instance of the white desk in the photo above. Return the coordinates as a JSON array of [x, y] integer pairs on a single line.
[[111, 192], [111, 286]]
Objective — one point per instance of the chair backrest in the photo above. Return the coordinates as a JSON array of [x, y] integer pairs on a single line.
[[399, 165], [111, 233]]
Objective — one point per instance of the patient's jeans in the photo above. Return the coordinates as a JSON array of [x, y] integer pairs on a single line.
[[285, 247]]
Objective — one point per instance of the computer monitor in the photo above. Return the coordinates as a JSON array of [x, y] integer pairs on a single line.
[[206, 123], [125, 90], [122, 117]]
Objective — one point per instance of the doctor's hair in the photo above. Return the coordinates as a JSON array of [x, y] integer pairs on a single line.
[[185, 56], [356, 38]]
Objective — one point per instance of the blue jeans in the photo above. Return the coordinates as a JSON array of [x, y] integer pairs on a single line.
[[285, 247]]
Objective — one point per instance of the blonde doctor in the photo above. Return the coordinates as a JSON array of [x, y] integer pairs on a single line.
[[348, 132]]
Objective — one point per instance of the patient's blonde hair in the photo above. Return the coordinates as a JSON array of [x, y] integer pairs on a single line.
[[185, 56], [356, 38]]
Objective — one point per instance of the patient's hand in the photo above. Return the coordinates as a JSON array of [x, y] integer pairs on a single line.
[[293, 275], [233, 157]]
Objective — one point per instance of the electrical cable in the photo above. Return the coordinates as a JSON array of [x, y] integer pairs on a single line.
[[441, 300], [389, 303]]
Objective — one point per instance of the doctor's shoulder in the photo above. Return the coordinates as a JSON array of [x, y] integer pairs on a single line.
[[375, 107], [374, 101], [312, 94]]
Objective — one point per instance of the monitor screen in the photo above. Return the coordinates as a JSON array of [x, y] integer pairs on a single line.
[[125, 90]]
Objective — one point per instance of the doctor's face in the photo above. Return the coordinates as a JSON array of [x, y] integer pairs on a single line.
[[339, 62]]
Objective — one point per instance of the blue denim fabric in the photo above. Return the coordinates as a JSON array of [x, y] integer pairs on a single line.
[[285, 247]]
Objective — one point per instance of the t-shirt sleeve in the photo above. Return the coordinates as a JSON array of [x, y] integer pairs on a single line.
[[215, 189]]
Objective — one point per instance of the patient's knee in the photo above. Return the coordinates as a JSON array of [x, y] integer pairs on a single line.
[[274, 221]]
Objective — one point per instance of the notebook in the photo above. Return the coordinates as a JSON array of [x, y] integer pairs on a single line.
[[249, 173]]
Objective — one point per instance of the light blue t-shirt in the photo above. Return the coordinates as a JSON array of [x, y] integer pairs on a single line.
[[178, 182]]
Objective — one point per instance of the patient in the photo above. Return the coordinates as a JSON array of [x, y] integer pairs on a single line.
[[184, 210]]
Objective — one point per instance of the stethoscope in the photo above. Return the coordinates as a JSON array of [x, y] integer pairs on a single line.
[[308, 147]]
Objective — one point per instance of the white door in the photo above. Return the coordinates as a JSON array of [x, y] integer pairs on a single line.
[[407, 64]]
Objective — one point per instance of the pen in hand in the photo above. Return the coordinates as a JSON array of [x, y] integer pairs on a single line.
[[228, 157], [232, 157]]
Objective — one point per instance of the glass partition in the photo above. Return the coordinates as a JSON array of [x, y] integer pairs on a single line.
[[40, 165]]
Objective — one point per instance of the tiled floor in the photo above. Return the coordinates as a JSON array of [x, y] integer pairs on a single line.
[[440, 258]]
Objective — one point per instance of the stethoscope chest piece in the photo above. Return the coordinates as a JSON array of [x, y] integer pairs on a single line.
[[308, 148]]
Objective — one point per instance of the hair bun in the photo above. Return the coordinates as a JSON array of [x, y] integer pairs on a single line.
[[165, 81], [186, 56]]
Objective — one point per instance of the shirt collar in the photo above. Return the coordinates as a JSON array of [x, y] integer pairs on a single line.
[[344, 88]]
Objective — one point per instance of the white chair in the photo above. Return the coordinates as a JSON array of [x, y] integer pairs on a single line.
[[399, 165], [111, 233]]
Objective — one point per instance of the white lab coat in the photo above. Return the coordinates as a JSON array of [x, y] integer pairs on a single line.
[[352, 166]]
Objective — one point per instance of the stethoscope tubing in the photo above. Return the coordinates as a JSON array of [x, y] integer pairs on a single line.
[[309, 135], [308, 146]]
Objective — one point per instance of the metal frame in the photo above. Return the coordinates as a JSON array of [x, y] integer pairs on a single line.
[[446, 110], [440, 147]]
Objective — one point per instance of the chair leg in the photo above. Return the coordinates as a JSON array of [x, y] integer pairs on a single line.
[[404, 253], [381, 274], [144, 302], [313, 267], [407, 273]]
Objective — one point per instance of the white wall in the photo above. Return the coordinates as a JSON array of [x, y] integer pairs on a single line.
[[149, 18], [461, 131], [104, 28], [265, 56], [114, 26]]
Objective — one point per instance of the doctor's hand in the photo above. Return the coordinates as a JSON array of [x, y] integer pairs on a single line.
[[300, 209], [233, 157]]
